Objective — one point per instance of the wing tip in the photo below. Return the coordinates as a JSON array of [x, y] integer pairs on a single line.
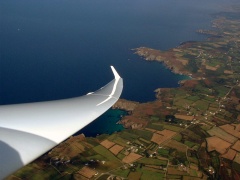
[[116, 75]]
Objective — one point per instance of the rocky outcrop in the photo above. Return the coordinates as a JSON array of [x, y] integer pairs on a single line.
[[208, 32], [125, 105], [175, 63]]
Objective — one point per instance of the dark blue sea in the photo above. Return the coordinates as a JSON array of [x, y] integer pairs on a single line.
[[54, 49]]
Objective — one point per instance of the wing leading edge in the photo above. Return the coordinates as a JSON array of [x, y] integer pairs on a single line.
[[29, 130]]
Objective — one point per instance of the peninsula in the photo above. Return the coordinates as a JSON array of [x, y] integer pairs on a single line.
[[190, 132]]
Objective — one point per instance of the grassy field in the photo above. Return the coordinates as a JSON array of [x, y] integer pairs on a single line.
[[121, 172], [193, 160], [128, 135], [189, 143], [144, 141], [119, 141], [163, 152], [143, 133], [66, 177], [152, 161], [193, 98], [201, 105], [154, 118], [192, 133], [152, 175], [172, 128], [171, 176], [215, 161], [209, 99], [97, 157], [155, 126], [221, 90], [178, 92], [26, 171], [176, 145], [205, 127], [104, 152], [222, 134], [178, 137], [47, 173], [182, 102], [121, 156]]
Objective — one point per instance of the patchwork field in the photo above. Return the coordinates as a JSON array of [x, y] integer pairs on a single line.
[[236, 146], [116, 149], [230, 154], [231, 129], [131, 158], [215, 131], [162, 136], [215, 143], [87, 172], [107, 144], [176, 145]]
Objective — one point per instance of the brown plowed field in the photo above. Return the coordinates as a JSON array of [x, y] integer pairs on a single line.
[[236, 146], [215, 143], [107, 144], [131, 158], [230, 154], [116, 149]]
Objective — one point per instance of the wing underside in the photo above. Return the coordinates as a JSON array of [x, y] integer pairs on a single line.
[[29, 130]]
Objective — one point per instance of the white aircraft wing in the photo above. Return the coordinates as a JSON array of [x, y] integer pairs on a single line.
[[29, 130]]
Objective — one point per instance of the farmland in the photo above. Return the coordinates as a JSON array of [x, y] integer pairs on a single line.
[[190, 132]]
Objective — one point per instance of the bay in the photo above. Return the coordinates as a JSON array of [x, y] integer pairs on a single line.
[[105, 124]]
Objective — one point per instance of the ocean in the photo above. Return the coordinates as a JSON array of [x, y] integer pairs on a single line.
[[64, 48]]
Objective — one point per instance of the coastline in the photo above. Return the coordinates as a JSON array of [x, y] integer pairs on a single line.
[[191, 131], [175, 64], [175, 60]]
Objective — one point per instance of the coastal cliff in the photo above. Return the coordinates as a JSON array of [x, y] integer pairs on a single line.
[[125, 105], [170, 58]]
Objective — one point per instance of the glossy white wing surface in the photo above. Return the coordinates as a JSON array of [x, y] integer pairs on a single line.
[[29, 130]]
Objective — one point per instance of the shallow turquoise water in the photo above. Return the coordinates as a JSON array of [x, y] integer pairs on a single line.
[[106, 124]]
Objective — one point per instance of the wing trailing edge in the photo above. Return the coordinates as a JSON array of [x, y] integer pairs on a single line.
[[31, 129]]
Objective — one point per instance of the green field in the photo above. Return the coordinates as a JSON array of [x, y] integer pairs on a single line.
[[193, 98], [97, 157], [144, 141], [201, 105], [153, 161], [173, 128], [182, 102], [143, 134], [221, 90], [177, 137], [155, 126], [128, 135], [174, 177], [47, 173], [152, 175], [209, 99], [154, 118], [163, 152], [189, 143], [104, 152], [119, 140], [121, 172], [120, 156]]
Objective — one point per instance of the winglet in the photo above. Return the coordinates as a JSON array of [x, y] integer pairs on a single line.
[[37, 125], [116, 75]]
